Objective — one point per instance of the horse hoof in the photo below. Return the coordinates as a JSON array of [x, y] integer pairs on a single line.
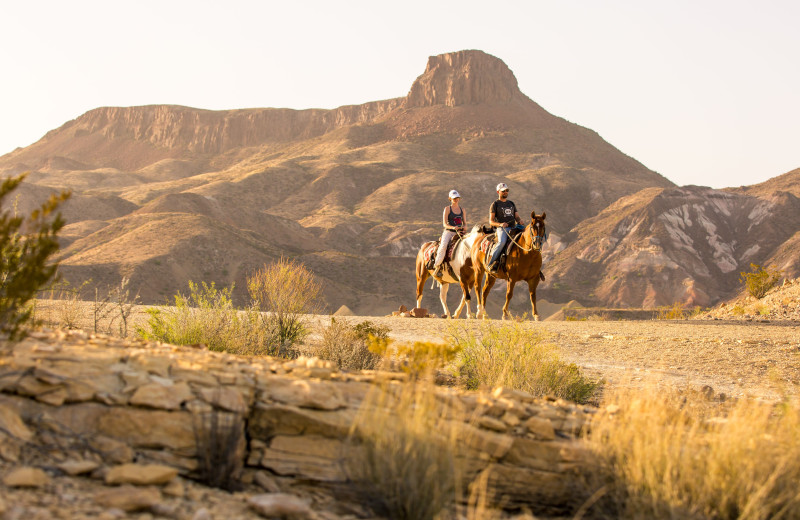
[[535, 317]]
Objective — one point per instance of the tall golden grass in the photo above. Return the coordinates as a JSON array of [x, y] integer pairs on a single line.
[[678, 455], [407, 469]]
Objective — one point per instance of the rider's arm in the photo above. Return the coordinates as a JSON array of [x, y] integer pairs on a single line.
[[463, 219], [518, 219], [444, 217], [492, 221]]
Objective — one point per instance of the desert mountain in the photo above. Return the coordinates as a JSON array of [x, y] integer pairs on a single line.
[[666, 245], [164, 194]]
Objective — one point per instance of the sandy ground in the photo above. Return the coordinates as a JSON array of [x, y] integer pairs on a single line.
[[734, 358], [737, 358]]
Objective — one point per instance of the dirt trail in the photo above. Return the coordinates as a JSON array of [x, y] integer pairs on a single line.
[[735, 358]]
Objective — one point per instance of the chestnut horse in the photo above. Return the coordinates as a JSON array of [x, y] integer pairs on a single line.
[[524, 263], [461, 264]]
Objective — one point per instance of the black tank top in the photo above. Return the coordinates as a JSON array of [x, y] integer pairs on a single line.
[[455, 220]]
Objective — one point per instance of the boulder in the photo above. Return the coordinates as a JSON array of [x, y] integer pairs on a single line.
[[419, 312]]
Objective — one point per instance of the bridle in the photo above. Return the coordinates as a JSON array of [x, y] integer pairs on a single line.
[[537, 240]]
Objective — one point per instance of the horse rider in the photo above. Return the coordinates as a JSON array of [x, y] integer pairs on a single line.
[[502, 214], [454, 220]]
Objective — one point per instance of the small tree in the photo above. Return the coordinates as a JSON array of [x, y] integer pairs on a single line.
[[287, 290], [26, 247], [760, 280]]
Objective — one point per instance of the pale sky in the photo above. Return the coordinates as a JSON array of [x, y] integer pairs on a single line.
[[703, 92]]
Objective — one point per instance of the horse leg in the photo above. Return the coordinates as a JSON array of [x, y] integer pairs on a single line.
[[457, 312], [509, 294], [422, 277], [443, 298], [487, 286], [532, 283]]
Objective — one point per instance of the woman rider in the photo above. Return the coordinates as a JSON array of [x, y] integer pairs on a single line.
[[454, 220]]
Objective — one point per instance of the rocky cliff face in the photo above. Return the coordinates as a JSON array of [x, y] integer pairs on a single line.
[[464, 78], [109, 408], [684, 245]]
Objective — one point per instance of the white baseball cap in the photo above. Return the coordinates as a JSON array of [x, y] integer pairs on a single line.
[[502, 186], [454, 194]]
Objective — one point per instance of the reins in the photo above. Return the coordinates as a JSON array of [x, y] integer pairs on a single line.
[[533, 240]]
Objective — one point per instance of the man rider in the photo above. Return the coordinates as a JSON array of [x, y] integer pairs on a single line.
[[502, 214]]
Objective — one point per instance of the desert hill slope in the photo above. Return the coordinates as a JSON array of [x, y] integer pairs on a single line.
[[164, 194], [688, 245]]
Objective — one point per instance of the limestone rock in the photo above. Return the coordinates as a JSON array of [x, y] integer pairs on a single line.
[[11, 424], [78, 467], [140, 474], [309, 456], [128, 498], [280, 505], [305, 394], [463, 78], [541, 428], [26, 477], [419, 312], [165, 397]]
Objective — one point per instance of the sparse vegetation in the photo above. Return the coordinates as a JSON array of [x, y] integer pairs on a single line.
[[27, 245], [420, 359], [760, 280], [679, 455], [674, 312], [517, 357], [348, 345], [207, 316], [406, 469], [287, 290]]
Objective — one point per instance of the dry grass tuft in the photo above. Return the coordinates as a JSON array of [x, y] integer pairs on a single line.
[[407, 469], [679, 455], [348, 345], [514, 356]]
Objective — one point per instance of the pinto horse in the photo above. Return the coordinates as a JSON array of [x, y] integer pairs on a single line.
[[461, 264], [523, 263]]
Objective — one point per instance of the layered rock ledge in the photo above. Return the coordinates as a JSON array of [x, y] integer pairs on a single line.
[[74, 400]]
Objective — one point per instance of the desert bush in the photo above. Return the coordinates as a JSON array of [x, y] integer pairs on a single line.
[[65, 307], [26, 249], [514, 356], [420, 359], [219, 437], [348, 345], [669, 455], [760, 280], [207, 315], [673, 312], [406, 469], [287, 290]]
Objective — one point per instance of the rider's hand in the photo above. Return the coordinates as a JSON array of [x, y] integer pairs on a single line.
[[505, 224]]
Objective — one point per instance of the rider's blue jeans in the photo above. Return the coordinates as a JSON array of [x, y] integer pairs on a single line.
[[502, 240]]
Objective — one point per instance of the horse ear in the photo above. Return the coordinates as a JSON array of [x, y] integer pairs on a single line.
[[533, 215], [544, 215]]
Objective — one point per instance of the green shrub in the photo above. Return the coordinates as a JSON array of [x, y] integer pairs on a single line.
[[287, 290], [348, 345], [26, 247], [514, 356], [760, 280], [207, 316]]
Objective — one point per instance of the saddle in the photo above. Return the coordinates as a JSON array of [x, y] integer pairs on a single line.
[[430, 251], [489, 244]]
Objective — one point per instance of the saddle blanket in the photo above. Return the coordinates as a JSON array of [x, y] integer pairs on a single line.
[[429, 253]]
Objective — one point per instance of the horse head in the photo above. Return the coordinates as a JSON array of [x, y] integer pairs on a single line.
[[537, 230]]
